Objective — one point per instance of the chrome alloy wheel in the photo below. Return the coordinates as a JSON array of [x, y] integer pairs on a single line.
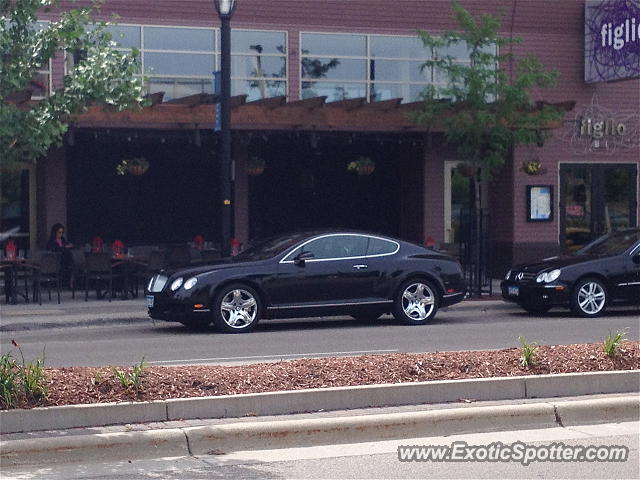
[[591, 298], [238, 308], [418, 301]]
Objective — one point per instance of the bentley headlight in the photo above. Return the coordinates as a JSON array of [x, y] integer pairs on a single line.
[[548, 277], [177, 283], [506, 277], [189, 284]]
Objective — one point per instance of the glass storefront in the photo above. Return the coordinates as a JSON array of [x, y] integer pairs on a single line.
[[595, 199], [15, 200]]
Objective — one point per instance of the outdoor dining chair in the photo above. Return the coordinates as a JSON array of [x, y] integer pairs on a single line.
[[46, 271], [78, 269], [99, 270]]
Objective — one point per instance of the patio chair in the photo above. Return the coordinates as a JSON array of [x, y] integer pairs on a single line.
[[156, 261], [47, 271], [78, 268], [98, 268], [210, 255], [178, 256]]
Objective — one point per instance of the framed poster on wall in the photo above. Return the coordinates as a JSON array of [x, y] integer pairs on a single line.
[[539, 203]]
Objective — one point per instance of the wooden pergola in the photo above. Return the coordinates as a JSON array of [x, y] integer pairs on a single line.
[[276, 113]]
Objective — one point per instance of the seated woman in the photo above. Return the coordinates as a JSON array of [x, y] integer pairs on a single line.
[[58, 243]]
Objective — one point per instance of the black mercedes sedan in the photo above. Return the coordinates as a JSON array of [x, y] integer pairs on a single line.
[[310, 274], [602, 273]]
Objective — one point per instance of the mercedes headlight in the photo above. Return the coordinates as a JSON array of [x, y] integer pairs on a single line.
[[177, 283], [189, 284], [548, 277]]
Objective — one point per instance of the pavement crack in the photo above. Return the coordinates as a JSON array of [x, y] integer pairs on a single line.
[[558, 419], [188, 444]]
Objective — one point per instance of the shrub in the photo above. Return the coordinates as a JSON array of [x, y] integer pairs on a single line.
[[529, 352], [9, 388], [611, 344], [22, 382], [131, 379]]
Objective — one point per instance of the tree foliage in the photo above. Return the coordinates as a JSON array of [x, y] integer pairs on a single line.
[[484, 112], [101, 74]]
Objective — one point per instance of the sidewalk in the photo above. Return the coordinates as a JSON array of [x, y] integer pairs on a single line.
[[222, 436], [71, 312], [76, 312]]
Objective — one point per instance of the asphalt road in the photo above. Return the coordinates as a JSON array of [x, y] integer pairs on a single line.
[[468, 326]]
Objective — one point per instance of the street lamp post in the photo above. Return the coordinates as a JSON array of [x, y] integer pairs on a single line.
[[225, 10]]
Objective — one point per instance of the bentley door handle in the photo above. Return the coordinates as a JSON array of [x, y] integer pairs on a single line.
[[359, 267]]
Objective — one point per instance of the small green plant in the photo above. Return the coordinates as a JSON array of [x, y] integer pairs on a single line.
[[22, 382], [33, 378], [8, 381], [611, 344], [34, 381], [97, 378], [131, 379], [529, 352]]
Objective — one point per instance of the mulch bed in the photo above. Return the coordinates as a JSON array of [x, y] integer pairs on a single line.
[[82, 385]]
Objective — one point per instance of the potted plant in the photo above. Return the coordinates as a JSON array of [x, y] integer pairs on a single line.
[[255, 166], [363, 166], [133, 166]]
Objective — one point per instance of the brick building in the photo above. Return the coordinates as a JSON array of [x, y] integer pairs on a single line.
[[317, 85]]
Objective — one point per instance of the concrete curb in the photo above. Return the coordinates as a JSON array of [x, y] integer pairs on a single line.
[[74, 322], [99, 447], [303, 433], [338, 398], [598, 410], [227, 438]]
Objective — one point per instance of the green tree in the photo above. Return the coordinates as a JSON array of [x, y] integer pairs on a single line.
[[484, 110], [100, 74]]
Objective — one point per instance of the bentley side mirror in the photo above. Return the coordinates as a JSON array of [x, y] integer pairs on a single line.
[[301, 259]]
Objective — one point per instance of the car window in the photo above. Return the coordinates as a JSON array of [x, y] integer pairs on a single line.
[[334, 246], [611, 244], [269, 248], [379, 246]]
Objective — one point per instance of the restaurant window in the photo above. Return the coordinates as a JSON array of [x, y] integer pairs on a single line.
[[258, 63], [180, 61], [40, 84], [377, 67]]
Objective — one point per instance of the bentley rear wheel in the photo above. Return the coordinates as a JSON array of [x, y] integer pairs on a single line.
[[416, 302]]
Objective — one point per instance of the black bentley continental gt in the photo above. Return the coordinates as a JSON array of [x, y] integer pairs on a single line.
[[602, 273], [310, 274]]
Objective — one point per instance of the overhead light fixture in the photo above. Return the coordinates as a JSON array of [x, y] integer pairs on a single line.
[[225, 8]]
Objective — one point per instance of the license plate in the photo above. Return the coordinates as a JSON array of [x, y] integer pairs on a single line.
[[514, 291], [150, 299]]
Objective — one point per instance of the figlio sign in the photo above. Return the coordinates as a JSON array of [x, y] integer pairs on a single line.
[[612, 40]]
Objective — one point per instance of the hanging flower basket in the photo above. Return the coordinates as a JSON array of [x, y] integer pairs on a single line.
[[532, 167], [255, 166], [132, 166], [363, 166]]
